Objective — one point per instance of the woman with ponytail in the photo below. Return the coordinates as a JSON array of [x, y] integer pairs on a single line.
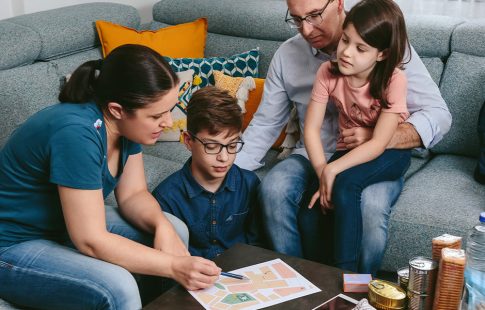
[[60, 246]]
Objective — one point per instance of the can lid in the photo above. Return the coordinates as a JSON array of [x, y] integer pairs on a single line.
[[482, 217], [387, 290], [422, 263]]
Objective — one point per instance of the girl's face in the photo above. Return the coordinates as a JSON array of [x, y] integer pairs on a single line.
[[145, 125], [356, 58]]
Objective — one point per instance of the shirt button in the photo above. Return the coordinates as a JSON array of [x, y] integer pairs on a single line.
[[214, 241], [214, 222], [213, 201]]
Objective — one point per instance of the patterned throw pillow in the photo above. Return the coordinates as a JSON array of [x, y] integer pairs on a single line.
[[179, 111], [241, 65]]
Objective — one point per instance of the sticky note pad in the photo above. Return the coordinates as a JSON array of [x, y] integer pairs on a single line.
[[356, 283]]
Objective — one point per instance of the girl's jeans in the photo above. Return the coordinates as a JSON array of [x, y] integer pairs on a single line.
[[295, 230]]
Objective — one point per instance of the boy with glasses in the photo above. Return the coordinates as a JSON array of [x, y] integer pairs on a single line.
[[286, 190], [216, 199]]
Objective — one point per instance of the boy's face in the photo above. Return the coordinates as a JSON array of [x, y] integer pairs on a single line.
[[211, 167]]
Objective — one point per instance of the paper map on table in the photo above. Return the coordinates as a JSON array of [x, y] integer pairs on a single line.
[[269, 283]]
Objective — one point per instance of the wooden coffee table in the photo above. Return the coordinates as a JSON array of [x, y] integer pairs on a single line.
[[328, 279]]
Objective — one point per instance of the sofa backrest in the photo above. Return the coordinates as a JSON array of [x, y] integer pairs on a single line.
[[39, 49], [463, 87]]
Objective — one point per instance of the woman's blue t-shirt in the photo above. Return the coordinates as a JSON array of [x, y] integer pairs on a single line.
[[64, 144]]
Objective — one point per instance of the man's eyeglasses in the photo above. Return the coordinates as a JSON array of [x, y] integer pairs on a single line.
[[313, 19], [216, 148]]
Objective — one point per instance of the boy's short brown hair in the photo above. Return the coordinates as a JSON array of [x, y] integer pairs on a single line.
[[213, 109]]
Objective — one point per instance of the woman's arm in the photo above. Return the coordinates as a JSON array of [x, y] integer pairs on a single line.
[[84, 214], [313, 143], [139, 207]]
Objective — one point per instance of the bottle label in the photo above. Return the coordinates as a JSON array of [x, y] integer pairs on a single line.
[[480, 228]]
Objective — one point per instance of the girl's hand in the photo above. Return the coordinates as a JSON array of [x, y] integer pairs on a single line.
[[315, 198], [167, 241], [194, 273], [326, 185]]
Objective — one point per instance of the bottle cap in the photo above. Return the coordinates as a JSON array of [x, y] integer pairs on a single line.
[[482, 217]]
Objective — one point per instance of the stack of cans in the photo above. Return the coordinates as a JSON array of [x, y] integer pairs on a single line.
[[403, 277], [422, 280]]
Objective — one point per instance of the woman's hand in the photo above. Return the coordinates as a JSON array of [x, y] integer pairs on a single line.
[[167, 241], [194, 273]]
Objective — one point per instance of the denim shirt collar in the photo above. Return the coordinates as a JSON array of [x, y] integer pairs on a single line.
[[193, 188]]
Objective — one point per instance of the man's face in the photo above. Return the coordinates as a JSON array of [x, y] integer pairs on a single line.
[[211, 167], [326, 34]]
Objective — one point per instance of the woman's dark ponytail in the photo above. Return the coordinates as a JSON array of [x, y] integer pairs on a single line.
[[131, 75], [79, 87]]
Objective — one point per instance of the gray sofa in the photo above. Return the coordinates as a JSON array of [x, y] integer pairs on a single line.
[[440, 196]]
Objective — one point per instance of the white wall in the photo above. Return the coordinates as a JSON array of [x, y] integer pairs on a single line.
[[9, 8]]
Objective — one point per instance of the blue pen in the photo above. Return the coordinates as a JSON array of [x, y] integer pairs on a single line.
[[233, 275]]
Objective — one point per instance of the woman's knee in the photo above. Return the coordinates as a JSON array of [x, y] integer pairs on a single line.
[[117, 290]]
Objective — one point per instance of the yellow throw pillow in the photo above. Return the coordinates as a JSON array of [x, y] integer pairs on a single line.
[[179, 41], [230, 83]]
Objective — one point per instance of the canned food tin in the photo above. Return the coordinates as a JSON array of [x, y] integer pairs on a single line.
[[419, 301], [403, 277], [385, 295], [422, 275]]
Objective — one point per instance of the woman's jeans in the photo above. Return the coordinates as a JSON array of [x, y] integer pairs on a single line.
[[293, 229], [48, 275]]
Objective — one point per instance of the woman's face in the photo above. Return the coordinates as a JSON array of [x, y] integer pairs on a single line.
[[145, 125]]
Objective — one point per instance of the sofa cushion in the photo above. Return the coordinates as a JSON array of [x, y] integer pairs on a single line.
[[69, 30], [24, 91], [19, 45], [244, 64], [430, 35], [261, 19], [442, 198], [435, 67], [173, 151], [469, 37], [183, 40], [463, 88]]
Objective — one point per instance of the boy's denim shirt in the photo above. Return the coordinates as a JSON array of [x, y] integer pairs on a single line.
[[216, 221]]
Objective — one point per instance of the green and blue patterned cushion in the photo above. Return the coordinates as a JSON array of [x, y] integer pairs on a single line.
[[240, 65], [179, 111]]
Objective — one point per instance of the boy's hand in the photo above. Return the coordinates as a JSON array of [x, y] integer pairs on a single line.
[[167, 241], [194, 273]]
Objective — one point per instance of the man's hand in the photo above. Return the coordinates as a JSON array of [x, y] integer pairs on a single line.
[[167, 241], [355, 136], [194, 273]]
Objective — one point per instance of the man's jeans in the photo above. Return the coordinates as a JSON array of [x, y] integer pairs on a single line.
[[49, 275], [295, 230]]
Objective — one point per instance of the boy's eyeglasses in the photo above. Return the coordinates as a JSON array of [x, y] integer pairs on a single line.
[[216, 148], [314, 19]]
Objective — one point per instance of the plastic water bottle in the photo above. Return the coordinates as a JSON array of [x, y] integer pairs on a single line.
[[474, 295]]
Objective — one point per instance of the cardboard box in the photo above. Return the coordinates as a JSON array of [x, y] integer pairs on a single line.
[[356, 283]]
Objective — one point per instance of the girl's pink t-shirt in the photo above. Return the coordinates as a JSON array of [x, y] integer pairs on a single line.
[[356, 106]]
